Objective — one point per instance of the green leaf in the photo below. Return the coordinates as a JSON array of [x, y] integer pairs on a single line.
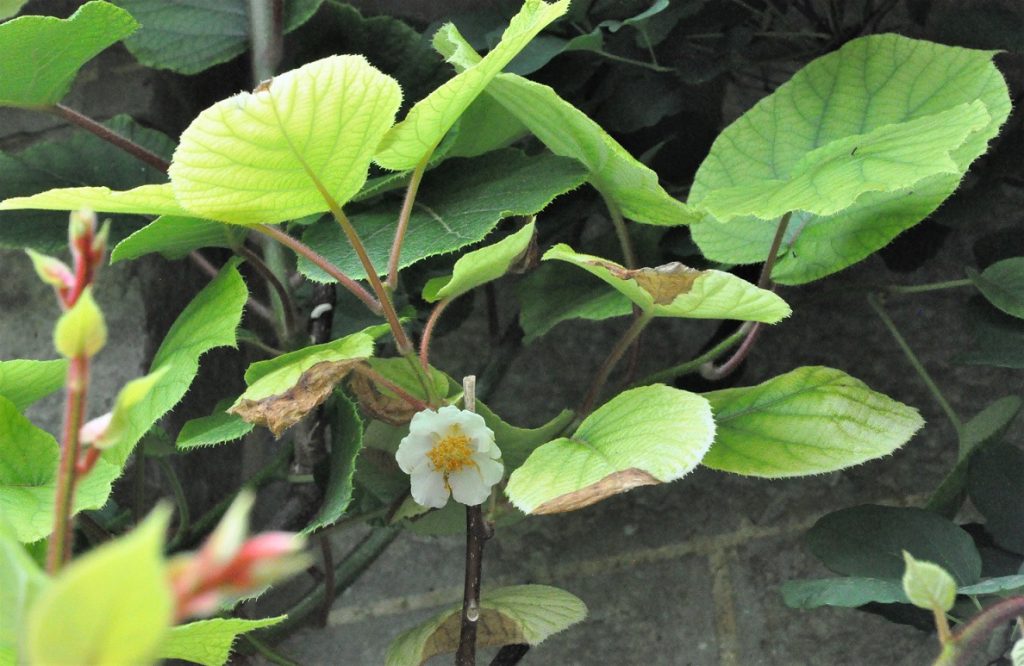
[[259, 157], [554, 293], [568, 132], [21, 581], [1002, 284], [408, 142], [647, 435], [142, 200], [485, 126], [209, 642], [213, 429], [479, 267], [346, 442], [81, 159], [209, 321], [276, 375], [508, 615], [460, 203], [868, 540], [174, 237], [43, 54], [23, 382], [811, 420], [111, 606], [994, 481], [131, 402], [997, 339], [28, 475], [516, 443], [841, 592], [189, 37], [927, 585], [1004, 586], [81, 331], [378, 401], [880, 88], [9, 8], [675, 290]]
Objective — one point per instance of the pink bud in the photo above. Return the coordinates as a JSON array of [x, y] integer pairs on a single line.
[[94, 430]]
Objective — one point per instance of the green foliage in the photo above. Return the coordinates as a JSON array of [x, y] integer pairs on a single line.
[[189, 37], [517, 443], [647, 435], [994, 483], [346, 442], [21, 581], [142, 200], [553, 294], [997, 339], [111, 606], [508, 615], [479, 267], [174, 237], [808, 421], [43, 54], [842, 592], [213, 429], [1002, 284], [208, 642], [1002, 586], [81, 331], [927, 585], [872, 90], [23, 382], [9, 8]]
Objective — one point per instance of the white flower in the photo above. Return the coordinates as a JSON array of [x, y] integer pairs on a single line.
[[450, 452]]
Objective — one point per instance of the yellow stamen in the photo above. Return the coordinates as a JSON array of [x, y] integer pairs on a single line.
[[452, 452]]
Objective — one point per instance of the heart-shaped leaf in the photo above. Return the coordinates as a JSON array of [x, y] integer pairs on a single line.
[[480, 266]]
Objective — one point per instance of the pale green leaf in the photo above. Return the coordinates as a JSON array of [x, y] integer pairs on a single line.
[[23, 382], [1002, 284], [554, 293], [811, 420], [408, 142], [209, 642], [831, 178], [42, 54], [568, 132], [112, 606], [28, 474], [209, 321], [485, 126], [346, 442], [460, 203], [174, 237], [257, 157], [189, 37], [927, 585], [675, 290], [1003, 586], [9, 8], [81, 331], [213, 429], [130, 401], [21, 581], [508, 615], [647, 435], [142, 200], [870, 87], [479, 267], [848, 592]]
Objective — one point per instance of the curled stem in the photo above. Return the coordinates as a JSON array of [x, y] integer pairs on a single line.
[[695, 364], [428, 331], [403, 221]]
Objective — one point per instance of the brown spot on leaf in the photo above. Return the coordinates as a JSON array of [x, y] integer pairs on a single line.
[[280, 412], [380, 403], [664, 283], [493, 629], [613, 484]]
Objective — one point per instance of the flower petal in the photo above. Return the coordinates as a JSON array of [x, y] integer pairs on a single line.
[[490, 470], [468, 487], [412, 452], [428, 489]]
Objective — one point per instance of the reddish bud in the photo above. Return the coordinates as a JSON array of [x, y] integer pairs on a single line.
[[53, 272]]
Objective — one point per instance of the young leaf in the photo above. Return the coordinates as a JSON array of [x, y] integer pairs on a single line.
[[408, 142], [189, 37], [142, 200], [174, 237], [842, 592], [1002, 284], [994, 479], [811, 420], [869, 540], [209, 321], [21, 581], [508, 615], [213, 429], [675, 290], [110, 606], [874, 87], [554, 293], [461, 202], [81, 331], [23, 382], [927, 585], [261, 157], [346, 442], [479, 267], [647, 435], [208, 642], [568, 132], [129, 400], [43, 54]]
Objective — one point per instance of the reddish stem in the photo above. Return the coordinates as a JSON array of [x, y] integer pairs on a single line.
[[428, 331], [103, 132], [59, 550], [403, 222]]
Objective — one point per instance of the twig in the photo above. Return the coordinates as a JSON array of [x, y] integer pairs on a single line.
[[328, 558], [510, 655], [428, 331], [124, 143], [266, 27], [631, 333], [403, 221]]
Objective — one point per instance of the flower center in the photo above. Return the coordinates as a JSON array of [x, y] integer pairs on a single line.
[[451, 453]]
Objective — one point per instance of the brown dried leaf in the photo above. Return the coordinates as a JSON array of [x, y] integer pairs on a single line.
[[280, 412], [379, 404], [493, 629], [613, 484], [664, 283]]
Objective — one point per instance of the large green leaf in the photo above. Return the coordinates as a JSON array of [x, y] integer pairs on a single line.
[[875, 87], [111, 606], [82, 159], [21, 581], [808, 421], [997, 338], [258, 157], [209, 321], [869, 540], [346, 442], [554, 293], [1002, 284], [28, 477], [142, 200], [647, 435], [675, 290], [843, 592], [460, 203], [568, 132], [208, 642], [174, 237], [485, 126], [43, 54], [994, 483], [479, 267], [23, 382], [188, 37], [408, 142], [508, 615]]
